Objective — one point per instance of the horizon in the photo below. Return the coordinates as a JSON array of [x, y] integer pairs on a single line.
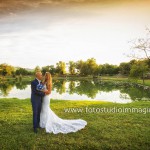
[[46, 32]]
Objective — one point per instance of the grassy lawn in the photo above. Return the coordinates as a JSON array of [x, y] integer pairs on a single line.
[[108, 131], [147, 81]]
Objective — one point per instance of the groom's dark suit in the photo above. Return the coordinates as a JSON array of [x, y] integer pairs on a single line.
[[36, 100]]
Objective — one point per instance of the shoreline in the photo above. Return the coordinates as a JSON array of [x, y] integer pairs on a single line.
[[114, 78]]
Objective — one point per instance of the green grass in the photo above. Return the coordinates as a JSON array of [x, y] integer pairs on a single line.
[[10, 78], [108, 131], [114, 78], [147, 82]]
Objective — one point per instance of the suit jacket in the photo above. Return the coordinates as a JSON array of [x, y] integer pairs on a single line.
[[35, 94]]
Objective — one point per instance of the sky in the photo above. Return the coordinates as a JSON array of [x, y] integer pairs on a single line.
[[45, 32]]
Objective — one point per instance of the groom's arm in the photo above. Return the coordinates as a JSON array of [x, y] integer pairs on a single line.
[[35, 91]]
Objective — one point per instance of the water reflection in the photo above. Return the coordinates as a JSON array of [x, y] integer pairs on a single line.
[[80, 90]]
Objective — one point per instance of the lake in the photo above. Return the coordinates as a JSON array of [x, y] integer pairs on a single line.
[[87, 89]]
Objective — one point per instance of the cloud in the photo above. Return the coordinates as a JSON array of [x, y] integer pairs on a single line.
[[13, 7], [70, 33]]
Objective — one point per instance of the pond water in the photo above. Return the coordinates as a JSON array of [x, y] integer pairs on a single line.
[[111, 91]]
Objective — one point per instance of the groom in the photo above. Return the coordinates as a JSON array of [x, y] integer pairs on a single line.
[[36, 100]]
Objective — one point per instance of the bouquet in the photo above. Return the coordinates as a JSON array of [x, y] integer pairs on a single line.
[[40, 87]]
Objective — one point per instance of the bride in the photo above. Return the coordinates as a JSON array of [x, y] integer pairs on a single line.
[[50, 121]]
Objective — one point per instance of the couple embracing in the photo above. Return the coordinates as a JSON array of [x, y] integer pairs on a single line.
[[43, 116]]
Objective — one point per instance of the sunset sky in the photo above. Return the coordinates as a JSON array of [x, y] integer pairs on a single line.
[[44, 32]]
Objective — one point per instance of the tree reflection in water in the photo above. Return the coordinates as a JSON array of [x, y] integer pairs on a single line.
[[87, 87]]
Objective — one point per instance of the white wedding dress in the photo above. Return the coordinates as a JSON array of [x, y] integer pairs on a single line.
[[53, 124]]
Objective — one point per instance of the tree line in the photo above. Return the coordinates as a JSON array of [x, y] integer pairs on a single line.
[[133, 68]]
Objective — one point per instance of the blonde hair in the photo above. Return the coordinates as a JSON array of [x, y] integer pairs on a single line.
[[48, 80]]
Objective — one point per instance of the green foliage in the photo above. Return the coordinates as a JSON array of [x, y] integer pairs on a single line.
[[50, 69], [139, 70], [125, 67], [23, 71], [90, 67], [109, 69], [6, 69], [45, 69], [61, 68], [80, 65], [37, 68], [72, 67]]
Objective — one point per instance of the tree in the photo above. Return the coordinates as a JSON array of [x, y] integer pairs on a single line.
[[109, 69], [142, 45], [45, 69], [80, 66], [92, 66], [52, 69], [138, 70], [37, 68], [99, 70], [6, 69], [88, 67], [72, 67], [61, 67], [22, 71], [125, 67]]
